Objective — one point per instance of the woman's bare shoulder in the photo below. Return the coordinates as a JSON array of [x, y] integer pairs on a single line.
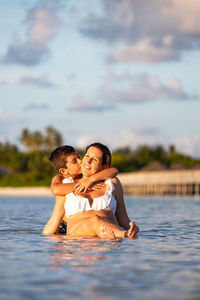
[[116, 181], [117, 186]]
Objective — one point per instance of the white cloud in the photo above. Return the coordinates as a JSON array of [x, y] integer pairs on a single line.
[[124, 137], [36, 107], [188, 144], [3, 115], [80, 105], [138, 136], [141, 88], [43, 28], [40, 81], [146, 31], [144, 52], [84, 140], [2, 82], [134, 137], [44, 22]]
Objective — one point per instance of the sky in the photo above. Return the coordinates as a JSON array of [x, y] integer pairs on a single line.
[[120, 72]]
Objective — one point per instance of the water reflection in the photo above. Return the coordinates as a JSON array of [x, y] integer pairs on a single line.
[[78, 252], [162, 263]]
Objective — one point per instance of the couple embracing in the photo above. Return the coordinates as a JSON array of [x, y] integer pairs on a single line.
[[89, 196]]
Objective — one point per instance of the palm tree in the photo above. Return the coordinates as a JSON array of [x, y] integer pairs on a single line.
[[26, 139], [52, 138], [37, 140]]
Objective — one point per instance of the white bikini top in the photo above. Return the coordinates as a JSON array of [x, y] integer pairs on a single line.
[[75, 203], [68, 180]]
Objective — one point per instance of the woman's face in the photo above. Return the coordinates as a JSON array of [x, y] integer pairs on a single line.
[[92, 162]]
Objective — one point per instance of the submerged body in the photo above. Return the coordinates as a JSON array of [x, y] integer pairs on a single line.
[[93, 213]]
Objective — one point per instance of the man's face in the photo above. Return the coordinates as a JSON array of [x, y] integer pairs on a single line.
[[73, 164]]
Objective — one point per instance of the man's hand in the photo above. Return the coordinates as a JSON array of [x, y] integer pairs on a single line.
[[86, 185], [83, 185], [97, 186]]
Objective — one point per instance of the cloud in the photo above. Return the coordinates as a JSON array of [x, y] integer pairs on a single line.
[[72, 77], [145, 31], [40, 81], [134, 137], [147, 131], [36, 107], [124, 137], [144, 52], [138, 136], [3, 115], [141, 88], [84, 140], [80, 105], [43, 22], [188, 144]]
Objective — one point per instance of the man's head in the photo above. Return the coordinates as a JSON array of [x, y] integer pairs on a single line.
[[66, 161]]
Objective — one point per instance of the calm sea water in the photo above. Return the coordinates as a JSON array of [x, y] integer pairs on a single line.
[[163, 262]]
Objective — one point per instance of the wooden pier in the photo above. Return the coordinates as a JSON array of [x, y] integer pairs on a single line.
[[161, 183]]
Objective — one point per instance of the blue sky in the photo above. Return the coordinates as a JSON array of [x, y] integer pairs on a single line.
[[125, 73]]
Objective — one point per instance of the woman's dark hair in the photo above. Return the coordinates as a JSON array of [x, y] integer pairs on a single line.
[[106, 154]]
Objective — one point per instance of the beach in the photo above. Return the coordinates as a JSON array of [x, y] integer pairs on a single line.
[[25, 191]]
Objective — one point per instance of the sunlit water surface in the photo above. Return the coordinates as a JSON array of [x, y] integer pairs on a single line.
[[163, 262]]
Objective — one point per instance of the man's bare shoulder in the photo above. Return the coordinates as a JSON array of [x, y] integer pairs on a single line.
[[57, 178]]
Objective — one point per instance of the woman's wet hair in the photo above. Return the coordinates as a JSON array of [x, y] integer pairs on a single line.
[[106, 154]]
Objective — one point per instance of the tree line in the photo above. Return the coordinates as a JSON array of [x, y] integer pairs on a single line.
[[36, 141], [31, 167]]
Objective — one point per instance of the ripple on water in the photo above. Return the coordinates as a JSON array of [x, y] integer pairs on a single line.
[[156, 265]]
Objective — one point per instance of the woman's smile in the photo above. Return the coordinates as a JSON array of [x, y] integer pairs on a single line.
[[86, 167], [92, 161]]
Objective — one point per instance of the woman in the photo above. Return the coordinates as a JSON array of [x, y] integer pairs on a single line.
[[98, 212]]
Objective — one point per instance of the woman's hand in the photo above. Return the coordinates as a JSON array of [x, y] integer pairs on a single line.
[[133, 230]]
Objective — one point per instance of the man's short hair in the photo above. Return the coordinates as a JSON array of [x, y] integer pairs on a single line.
[[58, 157]]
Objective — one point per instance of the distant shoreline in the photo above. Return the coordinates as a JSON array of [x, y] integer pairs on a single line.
[[25, 191]]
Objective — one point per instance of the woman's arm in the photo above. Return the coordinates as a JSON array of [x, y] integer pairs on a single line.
[[56, 217], [121, 213], [61, 189]]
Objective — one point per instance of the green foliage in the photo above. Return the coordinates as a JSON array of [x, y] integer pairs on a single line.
[[35, 141], [32, 168], [123, 162], [24, 169], [126, 160], [184, 160]]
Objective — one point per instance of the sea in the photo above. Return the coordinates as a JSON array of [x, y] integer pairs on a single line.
[[162, 262]]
